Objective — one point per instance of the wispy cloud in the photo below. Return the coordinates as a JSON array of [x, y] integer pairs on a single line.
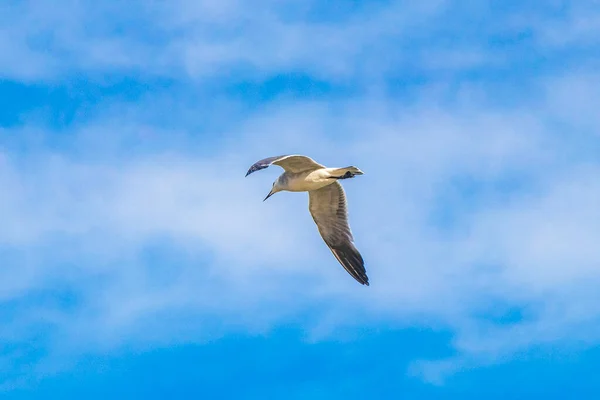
[[205, 39]]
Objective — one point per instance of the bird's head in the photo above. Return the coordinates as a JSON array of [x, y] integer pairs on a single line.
[[277, 187]]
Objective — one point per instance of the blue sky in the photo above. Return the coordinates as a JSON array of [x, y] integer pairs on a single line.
[[130, 259]]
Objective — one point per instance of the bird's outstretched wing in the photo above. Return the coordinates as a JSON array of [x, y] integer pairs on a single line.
[[290, 163], [328, 208]]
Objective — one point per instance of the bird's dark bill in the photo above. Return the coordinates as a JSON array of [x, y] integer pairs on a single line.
[[269, 195]]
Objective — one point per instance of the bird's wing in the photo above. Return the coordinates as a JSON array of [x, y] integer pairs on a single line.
[[328, 208], [290, 163]]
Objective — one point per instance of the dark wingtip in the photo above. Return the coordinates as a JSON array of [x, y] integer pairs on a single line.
[[352, 262], [256, 167], [251, 170]]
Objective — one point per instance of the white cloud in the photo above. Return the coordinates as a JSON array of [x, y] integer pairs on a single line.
[[208, 39]]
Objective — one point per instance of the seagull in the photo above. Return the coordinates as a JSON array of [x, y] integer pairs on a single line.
[[327, 203]]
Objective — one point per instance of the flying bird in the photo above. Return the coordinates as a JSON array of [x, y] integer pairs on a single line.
[[327, 203]]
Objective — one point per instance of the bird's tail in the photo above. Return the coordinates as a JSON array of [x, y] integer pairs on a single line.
[[347, 172]]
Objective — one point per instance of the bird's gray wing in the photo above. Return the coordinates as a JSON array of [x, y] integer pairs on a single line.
[[328, 208], [290, 163]]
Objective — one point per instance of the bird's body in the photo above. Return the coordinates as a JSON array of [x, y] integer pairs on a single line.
[[327, 203], [308, 180]]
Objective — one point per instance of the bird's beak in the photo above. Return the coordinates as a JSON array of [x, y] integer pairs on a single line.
[[269, 195]]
